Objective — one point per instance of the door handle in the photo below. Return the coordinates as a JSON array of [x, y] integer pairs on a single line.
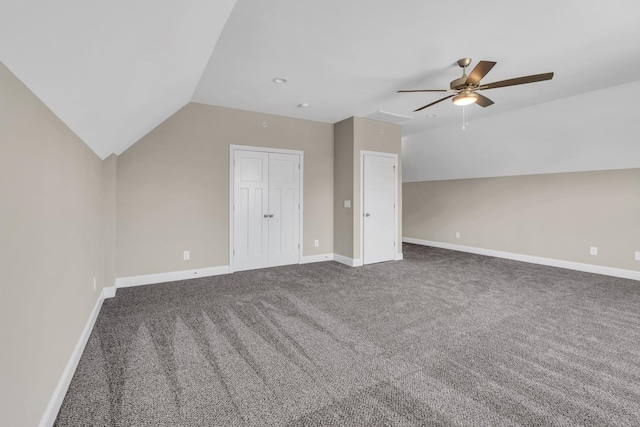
[[266, 215], [367, 215], [270, 215]]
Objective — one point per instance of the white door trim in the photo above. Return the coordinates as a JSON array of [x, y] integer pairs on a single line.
[[232, 149], [398, 249]]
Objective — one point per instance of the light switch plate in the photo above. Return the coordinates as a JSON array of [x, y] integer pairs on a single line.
[[347, 203]]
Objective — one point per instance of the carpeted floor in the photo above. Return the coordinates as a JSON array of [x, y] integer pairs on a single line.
[[441, 338]]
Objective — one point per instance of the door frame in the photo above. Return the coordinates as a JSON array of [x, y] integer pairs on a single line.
[[232, 150], [395, 213]]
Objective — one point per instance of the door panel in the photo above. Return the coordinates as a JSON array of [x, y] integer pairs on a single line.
[[379, 184], [284, 199], [251, 203]]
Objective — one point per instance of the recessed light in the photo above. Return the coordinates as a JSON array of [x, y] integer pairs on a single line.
[[303, 105], [279, 80], [432, 115]]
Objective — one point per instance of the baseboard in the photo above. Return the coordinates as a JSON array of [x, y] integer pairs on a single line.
[[53, 407], [587, 268], [149, 279], [357, 262], [109, 292], [351, 262], [316, 258]]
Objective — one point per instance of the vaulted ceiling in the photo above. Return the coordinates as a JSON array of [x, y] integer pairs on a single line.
[[113, 70]]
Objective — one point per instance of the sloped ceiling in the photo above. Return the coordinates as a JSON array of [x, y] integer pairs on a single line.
[[113, 70], [564, 135], [349, 58]]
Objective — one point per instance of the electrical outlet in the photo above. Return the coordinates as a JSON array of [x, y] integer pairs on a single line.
[[637, 255], [186, 255], [593, 251], [316, 243], [94, 283], [457, 234]]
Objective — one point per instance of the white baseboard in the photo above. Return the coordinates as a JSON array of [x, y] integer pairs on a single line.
[[109, 292], [55, 402], [587, 268], [357, 262], [351, 262], [316, 258], [148, 279]]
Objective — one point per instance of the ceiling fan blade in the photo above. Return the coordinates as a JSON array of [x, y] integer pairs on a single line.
[[518, 81], [435, 102], [483, 101], [479, 72], [422, 90]]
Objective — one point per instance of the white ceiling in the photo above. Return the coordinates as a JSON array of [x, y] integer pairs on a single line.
[[113, 70], [574, 136]]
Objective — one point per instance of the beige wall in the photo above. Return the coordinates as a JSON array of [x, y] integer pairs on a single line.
[[173, 187], [351, 137], [51, 247], [373, 135], [109, 185], [343, 156], [555, 216]]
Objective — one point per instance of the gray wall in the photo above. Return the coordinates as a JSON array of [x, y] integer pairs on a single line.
[[173, 187], [558, 216], [51, 234]]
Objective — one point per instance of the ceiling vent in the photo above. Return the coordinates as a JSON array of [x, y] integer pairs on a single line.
[[388, 117]]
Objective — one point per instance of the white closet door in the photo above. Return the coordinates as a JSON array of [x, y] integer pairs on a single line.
[[250, 214], [379, 208], [284, 205]]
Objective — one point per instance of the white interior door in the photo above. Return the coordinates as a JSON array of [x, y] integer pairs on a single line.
[[284, 209], [379, 198], [266, 209], [251, 209]]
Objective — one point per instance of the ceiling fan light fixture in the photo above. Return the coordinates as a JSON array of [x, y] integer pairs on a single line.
[[465, 98]]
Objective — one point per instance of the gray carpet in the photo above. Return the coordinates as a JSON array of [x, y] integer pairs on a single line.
[[441, 338]]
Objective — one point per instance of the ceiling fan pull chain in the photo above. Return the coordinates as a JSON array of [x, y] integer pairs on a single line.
[[464, 118]]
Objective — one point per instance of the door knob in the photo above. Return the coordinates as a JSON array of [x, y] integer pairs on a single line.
[[367, 215], [270, 215], [266, 215]]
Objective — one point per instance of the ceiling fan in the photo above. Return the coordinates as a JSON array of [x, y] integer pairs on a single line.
[[465, 88]]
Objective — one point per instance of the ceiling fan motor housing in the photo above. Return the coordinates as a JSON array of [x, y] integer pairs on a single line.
[[460, 83]]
